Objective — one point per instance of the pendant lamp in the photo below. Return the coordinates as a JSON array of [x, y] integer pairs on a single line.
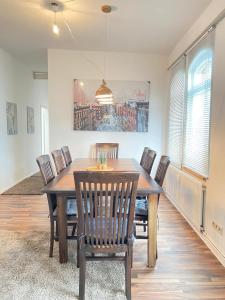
[[103, 94]]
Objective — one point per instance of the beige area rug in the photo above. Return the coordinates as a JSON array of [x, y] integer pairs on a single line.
[[26, 272], [29, 186]]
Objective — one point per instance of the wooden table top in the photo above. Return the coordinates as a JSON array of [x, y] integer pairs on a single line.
[[64, 182]]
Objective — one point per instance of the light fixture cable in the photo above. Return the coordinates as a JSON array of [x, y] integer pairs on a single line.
[[103, 94], [75, 39], [106, 44]]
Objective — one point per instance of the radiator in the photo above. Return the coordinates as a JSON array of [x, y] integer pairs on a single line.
[[188, 195]]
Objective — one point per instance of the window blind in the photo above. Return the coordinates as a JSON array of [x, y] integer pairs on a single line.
[[176, 112], [197, 108]]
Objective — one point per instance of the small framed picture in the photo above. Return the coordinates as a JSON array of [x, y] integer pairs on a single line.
[[30, 120]]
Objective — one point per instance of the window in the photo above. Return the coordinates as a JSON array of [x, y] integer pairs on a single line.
[[197, 120], [189, 114]]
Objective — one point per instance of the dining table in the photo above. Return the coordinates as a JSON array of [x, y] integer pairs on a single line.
[[63, 187]]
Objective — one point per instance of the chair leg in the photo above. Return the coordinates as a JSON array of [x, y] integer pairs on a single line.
[[57, 230], [144, 226], [131, 254], [82, 263], [74, 229], [128, 274], [134, 230], [78, 253], [51, 238]]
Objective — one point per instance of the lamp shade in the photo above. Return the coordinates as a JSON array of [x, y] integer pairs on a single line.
[[103, 94]]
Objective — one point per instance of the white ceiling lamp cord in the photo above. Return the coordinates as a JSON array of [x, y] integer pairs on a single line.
[[106, 45], [76, 39]]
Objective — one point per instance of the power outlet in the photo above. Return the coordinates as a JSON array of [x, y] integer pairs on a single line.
[[217, 227]]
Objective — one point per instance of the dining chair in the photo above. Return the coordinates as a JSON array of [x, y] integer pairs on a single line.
[[66, 154], [148, 159], [59, 160], [47, 173], [107, 227], [141, 209], [143, 155], [110, 150]]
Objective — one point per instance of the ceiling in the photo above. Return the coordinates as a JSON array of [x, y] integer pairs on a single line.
[[134, 25]]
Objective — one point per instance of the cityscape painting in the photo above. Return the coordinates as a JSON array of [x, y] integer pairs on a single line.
[[129, 110]]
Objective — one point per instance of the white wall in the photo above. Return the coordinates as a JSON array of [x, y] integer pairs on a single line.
[[66, 65], [216, 184], [215, 194], [215, 8], [18, 152]]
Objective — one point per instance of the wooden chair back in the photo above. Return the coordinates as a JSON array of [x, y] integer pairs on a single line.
[[66, 154], [46, 169], [143, 155], [108, 220], [59, 161], [47, 173], [110, 150], [161, 170], [148, 160]]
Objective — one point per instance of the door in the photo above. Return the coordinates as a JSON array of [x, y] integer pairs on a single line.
[[44, 131]]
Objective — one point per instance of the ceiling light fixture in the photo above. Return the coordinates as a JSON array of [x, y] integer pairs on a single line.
[[55, 29], [55, 8], [103, 94]]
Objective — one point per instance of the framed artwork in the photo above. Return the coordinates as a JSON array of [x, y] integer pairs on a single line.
[[11, 113], [128, 112], [30, 120]]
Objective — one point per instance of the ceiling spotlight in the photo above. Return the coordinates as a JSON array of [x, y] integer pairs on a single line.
[[55, 29]]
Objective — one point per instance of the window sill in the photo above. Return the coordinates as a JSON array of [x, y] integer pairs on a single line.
[[194, 174]]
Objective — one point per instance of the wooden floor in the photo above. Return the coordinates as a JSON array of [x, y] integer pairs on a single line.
[[185, 269]]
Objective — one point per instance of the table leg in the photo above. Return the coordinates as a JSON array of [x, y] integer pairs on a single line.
[[62, 228], [152, 229]]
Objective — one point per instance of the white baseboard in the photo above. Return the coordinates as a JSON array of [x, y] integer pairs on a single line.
[[212, 247], [203, 236]]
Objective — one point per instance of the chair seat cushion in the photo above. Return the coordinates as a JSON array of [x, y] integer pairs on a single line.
[[71, 208], [141, 207]]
